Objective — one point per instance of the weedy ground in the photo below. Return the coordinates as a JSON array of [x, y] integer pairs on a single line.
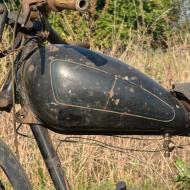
[[93, 168]]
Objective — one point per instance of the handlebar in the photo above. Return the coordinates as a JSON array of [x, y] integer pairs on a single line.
[[27, 25], [52, 5], [59, 5]]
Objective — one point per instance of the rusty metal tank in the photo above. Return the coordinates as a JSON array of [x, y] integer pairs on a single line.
[[73, 90]]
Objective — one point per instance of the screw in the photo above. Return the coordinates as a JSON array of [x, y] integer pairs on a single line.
[[166, 154]]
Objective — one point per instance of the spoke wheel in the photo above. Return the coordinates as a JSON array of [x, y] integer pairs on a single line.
[[12, 169], [2, 186]]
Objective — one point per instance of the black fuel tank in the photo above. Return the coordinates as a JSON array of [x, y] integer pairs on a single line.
[[78, 91]]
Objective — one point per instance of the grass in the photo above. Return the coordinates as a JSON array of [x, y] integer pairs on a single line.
[[94, 168]]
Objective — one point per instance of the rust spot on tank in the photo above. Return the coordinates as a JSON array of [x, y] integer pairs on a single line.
[[31, 68], [53, 110], [111, 93], [50, 58], [53, 48], [134, 78], [126, 78], [90, 64], [81, 59], [131, 90], [116, 101], [98, 103], [90, 93]]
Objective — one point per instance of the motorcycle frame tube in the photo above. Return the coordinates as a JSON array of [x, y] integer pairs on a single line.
[[45, 144], [50, 157]]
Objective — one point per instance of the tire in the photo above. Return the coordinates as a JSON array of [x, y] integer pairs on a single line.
[[2, 186], [12, 169]]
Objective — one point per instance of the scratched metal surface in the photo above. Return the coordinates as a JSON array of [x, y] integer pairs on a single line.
[[77, 91]]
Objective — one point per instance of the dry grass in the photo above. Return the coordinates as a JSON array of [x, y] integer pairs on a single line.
[[87, 166]]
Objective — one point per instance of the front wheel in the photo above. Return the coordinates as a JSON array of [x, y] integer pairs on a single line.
[[12, 169], [2, 186]]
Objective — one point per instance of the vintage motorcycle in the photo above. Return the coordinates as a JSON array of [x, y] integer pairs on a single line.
[[70, 89]]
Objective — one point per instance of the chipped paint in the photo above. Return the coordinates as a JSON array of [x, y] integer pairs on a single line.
[[131, 90], [31, 68], [50, 58], [53, 48], [80, 101], [126, 78], [117, 101]]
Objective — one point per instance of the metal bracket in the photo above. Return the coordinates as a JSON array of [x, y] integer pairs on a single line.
[[169, 145], [26, 116]]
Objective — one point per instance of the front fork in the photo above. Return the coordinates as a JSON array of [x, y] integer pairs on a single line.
[[50, 157], [6, 92], [52, 161]]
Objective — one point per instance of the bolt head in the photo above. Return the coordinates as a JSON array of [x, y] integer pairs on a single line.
[[167, 154]]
